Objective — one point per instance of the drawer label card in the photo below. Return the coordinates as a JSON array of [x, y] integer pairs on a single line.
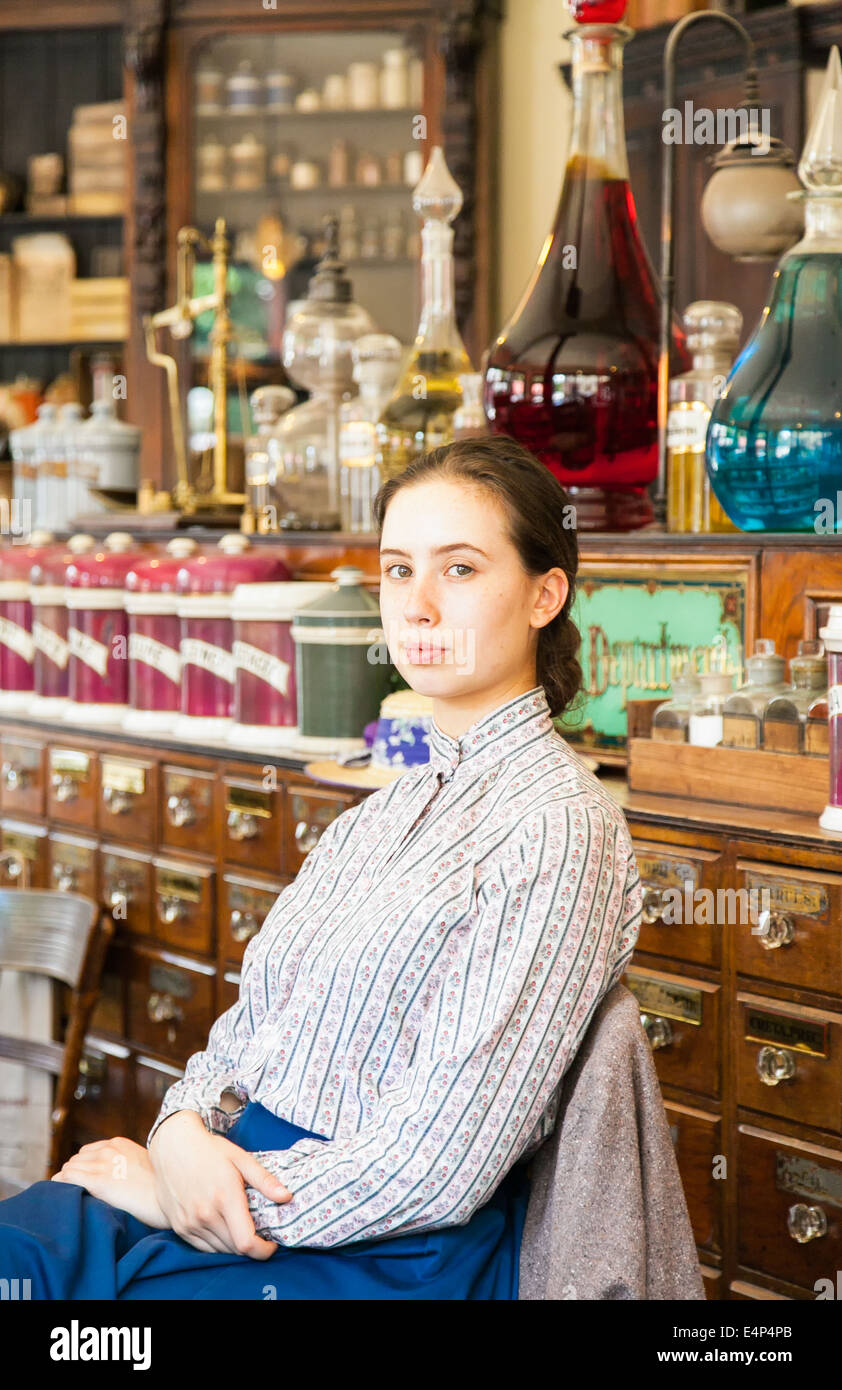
[[782, 1030], [809, 900], [667, 873], [24, 845], [806, 1179], [123, 777], [69, 761], [177, 885], [169, 981], [252, 800], [680, 1002]]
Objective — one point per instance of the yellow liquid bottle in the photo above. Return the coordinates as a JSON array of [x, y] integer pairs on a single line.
[[713, 331]]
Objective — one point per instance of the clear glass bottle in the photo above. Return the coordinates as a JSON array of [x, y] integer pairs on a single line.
[[775, 437], [713, 333], [671, 720], [469, 419], [268, 404], [705, 727], [419, 415], [743, 712], [785, 720], [574, 373], [377, 359]]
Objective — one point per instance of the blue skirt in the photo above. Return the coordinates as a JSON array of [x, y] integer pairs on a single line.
[[71, 1245]]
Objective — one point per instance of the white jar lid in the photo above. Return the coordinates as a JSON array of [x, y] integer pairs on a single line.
[[278, 601], [831, 634]]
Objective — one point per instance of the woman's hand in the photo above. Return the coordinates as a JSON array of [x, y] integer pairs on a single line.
[[119, 1172], [200, 1182]]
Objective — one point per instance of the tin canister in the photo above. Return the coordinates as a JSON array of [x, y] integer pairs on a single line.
[[265, 693], [17, 649], [49, 625], [155, 638], [97, 630]]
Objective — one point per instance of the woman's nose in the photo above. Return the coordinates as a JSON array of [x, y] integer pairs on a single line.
[[420, 602]]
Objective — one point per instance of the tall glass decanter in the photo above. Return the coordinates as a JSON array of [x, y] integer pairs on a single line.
[[574, 374], [774, 444], [419, 415]]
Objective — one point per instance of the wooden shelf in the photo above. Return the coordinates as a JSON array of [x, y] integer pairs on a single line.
[[290, 113]]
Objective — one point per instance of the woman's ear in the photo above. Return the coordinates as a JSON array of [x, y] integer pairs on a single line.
[[552, 596]]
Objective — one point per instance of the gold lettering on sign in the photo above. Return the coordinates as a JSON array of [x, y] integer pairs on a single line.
[[669, 873], [253, 800], [798, 1034], [791, 897], [668, 1000], [806, 1179], [124, 777], [179, 885], [69, 761]]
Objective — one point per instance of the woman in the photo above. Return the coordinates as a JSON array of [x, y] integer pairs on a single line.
[[416, 995]]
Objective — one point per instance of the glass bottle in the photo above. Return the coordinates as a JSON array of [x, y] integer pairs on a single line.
[[419, 415], [671, 720], [785, 720], [268, 404], [377, 359], [705, 726], [775, 437], [574, 374], [469, 419], [742, 713], [713, 332]]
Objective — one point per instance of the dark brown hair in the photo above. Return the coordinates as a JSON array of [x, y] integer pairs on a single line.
[[537, 508]]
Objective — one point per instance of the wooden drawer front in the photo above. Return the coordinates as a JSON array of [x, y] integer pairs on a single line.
[[741, 1290], [102, 1101], [789, 1208], [73, 864], [682, 909], [22, 785], [109, 1011], [187, 820], [183, 904], [28, 848], [170, 1003], [152, 1080], [125, 887], [252, 825], [789, 1060], [308, 814], [802, 943], [229, 990], [696, 1136], [243, 907], [681, 1018], [127, 788], [72, 780]]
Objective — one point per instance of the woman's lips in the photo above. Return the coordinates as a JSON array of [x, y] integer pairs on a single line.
[[424, 655]]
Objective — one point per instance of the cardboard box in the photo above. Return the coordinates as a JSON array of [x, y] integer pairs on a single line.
[[99, 309], [45, 264], [8, 300]]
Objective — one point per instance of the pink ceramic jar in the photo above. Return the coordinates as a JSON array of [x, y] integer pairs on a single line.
[[17, 650], [49, 625], [98, 632], [205, 584], [265, 695], [155, 638]]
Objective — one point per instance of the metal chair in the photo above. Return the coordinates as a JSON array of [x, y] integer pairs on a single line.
[[65, 937]]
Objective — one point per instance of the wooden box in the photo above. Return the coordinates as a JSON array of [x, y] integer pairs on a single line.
[[737, 776]]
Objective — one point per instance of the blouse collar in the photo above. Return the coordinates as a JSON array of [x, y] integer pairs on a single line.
[[493, 737]]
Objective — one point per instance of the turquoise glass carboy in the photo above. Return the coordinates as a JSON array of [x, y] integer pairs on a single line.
[[774, 442]]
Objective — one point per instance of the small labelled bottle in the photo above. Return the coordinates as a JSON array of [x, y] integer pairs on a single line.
[[469, 419], [785, 720], [713, 334], [419, 415], [671, 720], [743, 712], [377, 358], [705, 729]]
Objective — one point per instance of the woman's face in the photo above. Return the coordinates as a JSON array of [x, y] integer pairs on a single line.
[[460, 615]]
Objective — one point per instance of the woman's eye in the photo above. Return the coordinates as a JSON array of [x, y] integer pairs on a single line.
[[396, 566], [459, 566]]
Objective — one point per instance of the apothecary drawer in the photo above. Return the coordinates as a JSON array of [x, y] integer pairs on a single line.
[[681, 1017], [127, 797], [73, 863], [187, 809], [125, 886], [696, 1135], [796, 935], [26, 855], [152, 1080], [22, 781], [789, 1208], [170, 1002], [102, 1100], [789, 1060], [309, 813], [252, 824], [72, 782], [682, 908], [183, 912], [244, 905]]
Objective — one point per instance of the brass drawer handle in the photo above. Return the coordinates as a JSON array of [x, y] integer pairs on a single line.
[[658, 1031], [307, 835], [119, 896], [653, 905], [65, 787], [64, 878], [806, 1223], [91, 1076], [242, 825], [244, 925], [170, 909], [118, 802], [15, 776], [162, 1008], [774, 929], [775, 1064], [15, 866], [180, 811]]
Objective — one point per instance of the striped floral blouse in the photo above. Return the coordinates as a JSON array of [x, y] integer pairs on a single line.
[[417, 993]]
